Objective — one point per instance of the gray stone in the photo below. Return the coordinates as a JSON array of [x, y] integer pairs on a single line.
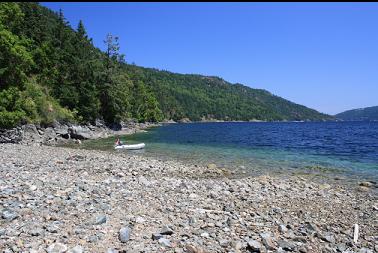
[[80, 132], [365, 250], [282, 228], [224, 243], [9, 215], [192, 220], [253, 246], [30, 129], [311, 227], [61, 130], [124, 234], [100, 220], [165, 242], [139, 219], [49, 134], [57, 248], [286, 245], [76, 249], [303, 249], [33, 188], [328, 237], [268, 241], [7, 192], [166, 231], [143, 181], [205, 234], [36, 232], [52, 228], [341, 247], [93, 238], [156, 236]]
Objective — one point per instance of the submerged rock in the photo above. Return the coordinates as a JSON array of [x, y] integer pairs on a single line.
[[366, 184], [212, 166]]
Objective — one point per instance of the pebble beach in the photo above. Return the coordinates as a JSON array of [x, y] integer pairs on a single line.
[[55, 199]]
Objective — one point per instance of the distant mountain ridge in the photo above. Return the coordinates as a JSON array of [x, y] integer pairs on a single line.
[[360, 114]]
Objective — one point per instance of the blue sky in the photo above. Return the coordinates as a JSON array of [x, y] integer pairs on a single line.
[[321, 55]]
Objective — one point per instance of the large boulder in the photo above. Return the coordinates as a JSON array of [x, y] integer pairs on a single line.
[[62, 130], [115, 126], [30, 134], [185, 120], [80, 132], [100, 123], [49, 135], [11, 135]]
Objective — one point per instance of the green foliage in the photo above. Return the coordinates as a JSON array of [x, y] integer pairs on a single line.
[[115, 86], [11, 112], [10, 119], [15, 60], [40, 107], [10, 16], [32, 105], [144, 105], [49, 71]]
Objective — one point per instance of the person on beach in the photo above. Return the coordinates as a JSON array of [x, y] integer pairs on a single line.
[[118, 142]]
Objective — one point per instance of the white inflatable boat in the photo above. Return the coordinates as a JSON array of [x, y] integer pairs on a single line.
[[130, 147]]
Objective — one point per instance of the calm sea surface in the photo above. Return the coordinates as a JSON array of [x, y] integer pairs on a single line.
[[344, 149]]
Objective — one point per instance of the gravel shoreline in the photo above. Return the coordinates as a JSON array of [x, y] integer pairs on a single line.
[[56, 199]]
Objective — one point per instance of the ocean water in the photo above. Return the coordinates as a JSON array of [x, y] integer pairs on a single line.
[[348, 150]]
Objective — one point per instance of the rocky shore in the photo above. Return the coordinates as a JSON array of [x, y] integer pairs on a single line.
[[57, 133], [67, 200]]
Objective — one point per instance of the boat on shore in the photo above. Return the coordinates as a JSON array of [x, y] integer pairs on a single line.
[[130, 146]]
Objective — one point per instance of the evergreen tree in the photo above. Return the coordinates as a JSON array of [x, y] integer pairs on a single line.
[[85, 65], [145, 105], [65, 86], [114, 91]]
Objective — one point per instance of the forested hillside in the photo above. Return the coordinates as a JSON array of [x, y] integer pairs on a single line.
[[50, 71], [363, 114], [198, 97]]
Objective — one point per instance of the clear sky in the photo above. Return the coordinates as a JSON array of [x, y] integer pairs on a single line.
[[321, 55]]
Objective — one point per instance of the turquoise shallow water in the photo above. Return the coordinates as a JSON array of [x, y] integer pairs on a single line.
[[345, 149]]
